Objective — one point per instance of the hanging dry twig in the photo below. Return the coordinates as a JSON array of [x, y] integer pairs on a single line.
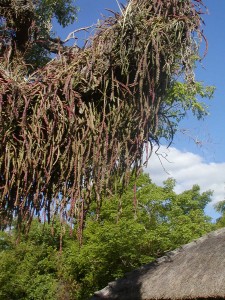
[[72, 127]]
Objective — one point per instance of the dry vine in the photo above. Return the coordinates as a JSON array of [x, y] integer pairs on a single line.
[[70, 128]]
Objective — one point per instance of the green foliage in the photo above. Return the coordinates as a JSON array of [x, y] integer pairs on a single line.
[[125, 236], [64, 11], [220, 208], [181, 99], [131, 230], [186, 96], [32, 268], [26, 30]]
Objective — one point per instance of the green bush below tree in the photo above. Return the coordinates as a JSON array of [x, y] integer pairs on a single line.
[[131, 230]]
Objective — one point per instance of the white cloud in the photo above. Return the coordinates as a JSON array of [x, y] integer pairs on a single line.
[[188, 169]]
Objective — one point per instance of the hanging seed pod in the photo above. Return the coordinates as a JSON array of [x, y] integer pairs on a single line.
[[73, 127]]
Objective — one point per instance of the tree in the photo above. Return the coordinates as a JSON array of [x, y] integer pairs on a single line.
[[33, 268], [71, 128], [26, 29], [126, 235], [220, 208]]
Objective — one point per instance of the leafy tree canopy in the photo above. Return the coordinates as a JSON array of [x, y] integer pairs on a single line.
[[129, 232], [76, 124], [26, 28], [220, 208]]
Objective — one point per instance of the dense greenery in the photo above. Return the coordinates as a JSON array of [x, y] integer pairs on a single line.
[[26, 29], [220, 208], [129, 232]]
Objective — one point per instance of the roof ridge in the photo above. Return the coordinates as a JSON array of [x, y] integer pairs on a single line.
[[144, 281]]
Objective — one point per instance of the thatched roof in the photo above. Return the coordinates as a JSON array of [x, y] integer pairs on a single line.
[[196, 270]]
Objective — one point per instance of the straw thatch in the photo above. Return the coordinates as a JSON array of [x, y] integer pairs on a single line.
[[196, 270]]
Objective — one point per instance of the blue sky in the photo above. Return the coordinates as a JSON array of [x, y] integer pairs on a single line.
[[188, 163]]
